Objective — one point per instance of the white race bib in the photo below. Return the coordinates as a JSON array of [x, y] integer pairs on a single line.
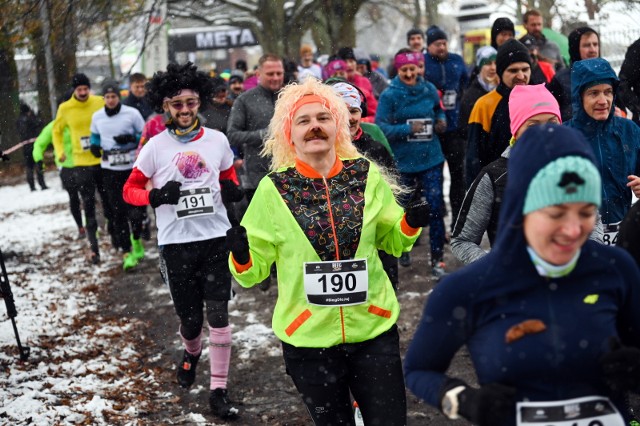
[[336, 283], [195, 202], [610, 236], [85, 142], [426, 134], [586, 411], [119, 158], [449, 99]]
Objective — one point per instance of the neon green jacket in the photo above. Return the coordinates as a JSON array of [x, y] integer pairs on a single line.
[[43, 141], [275, 235]]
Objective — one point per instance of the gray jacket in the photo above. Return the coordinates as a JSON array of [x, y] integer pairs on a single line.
[[247, 128]]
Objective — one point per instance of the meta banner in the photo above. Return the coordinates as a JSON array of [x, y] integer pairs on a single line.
[[205, 39]]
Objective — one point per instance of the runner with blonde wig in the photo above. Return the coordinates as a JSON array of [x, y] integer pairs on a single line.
[[321, 215], [278, 144]]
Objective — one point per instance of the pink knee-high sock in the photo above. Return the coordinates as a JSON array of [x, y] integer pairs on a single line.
[[194, 347], [219, 355]]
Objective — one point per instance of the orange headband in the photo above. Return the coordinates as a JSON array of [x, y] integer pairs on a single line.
[[306, 99]]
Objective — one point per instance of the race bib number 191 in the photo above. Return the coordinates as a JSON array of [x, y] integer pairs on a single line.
[[195, 202], [336, 283]]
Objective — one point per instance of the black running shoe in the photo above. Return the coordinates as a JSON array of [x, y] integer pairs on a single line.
[[186, 373], [405, 259], [221, 406]]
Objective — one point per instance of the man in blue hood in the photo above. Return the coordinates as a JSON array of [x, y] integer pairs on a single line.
[[614, 140]]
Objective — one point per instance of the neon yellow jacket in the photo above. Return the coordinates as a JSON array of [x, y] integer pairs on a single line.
[[76, 116], [43, 141], [275, 235]]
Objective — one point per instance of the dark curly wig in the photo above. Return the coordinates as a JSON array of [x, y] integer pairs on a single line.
[[177, 77]]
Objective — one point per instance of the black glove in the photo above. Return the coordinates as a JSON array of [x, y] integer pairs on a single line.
[[238, 244], [96, 151], [492, 404], [230, 192], [168, 194], [40, 165], [621, 367], [124, 139], [4, 156], [417, 214]]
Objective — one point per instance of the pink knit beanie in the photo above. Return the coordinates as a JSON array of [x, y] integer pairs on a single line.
[[530, 100]]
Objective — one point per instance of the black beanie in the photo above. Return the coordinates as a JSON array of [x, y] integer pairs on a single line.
[[510, 52], [435, 33], [499, 25], [574, 42], [80, 79], [345, 53], [414, 31], [110, 87]]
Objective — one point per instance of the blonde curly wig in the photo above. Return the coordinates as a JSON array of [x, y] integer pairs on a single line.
[[278, 145]]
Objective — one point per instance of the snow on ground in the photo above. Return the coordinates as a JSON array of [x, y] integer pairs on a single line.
[[83, 368]]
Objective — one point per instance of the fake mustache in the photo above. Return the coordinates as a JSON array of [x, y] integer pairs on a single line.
[[315, 134]]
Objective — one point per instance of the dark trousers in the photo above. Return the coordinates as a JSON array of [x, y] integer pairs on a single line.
[[84, 178], [196, 272], [31, 167], [68, 183], [454, 149], [125, 217], [370, 370], [430, 181]]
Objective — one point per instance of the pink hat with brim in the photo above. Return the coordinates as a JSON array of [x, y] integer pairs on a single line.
[[525, 101]]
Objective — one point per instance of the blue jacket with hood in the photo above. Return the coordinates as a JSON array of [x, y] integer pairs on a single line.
[[450, 74], [399, 103], [478, 304], [615, 141]]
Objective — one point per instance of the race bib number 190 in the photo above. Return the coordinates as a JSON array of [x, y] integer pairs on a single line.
[[195, 202], [336, 283]]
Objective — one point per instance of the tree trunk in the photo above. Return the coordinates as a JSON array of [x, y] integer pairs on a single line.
[[64, 43], [9, 87], [37, 49]]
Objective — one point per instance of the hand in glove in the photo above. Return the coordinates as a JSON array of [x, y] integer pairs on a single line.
[[168, 194], [40, 165], [125, 139], [238, 244], [96, 151], [4, 156], [230, 192], [621, 367], [417, 211], [491, 405]]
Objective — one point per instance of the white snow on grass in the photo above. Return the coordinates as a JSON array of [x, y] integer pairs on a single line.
[[83, 369]]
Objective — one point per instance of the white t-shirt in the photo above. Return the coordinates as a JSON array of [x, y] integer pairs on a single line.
[[128, 121], [197, 165], [314, 70]]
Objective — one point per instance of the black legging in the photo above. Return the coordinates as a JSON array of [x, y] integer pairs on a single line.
[[122, 214], [370, 370], [84, 177], [198, 273], [66, 176]]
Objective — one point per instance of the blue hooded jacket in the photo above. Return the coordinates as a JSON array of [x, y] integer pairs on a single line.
[[399, 103], [615, 141], [478, 304], [451, 75]]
